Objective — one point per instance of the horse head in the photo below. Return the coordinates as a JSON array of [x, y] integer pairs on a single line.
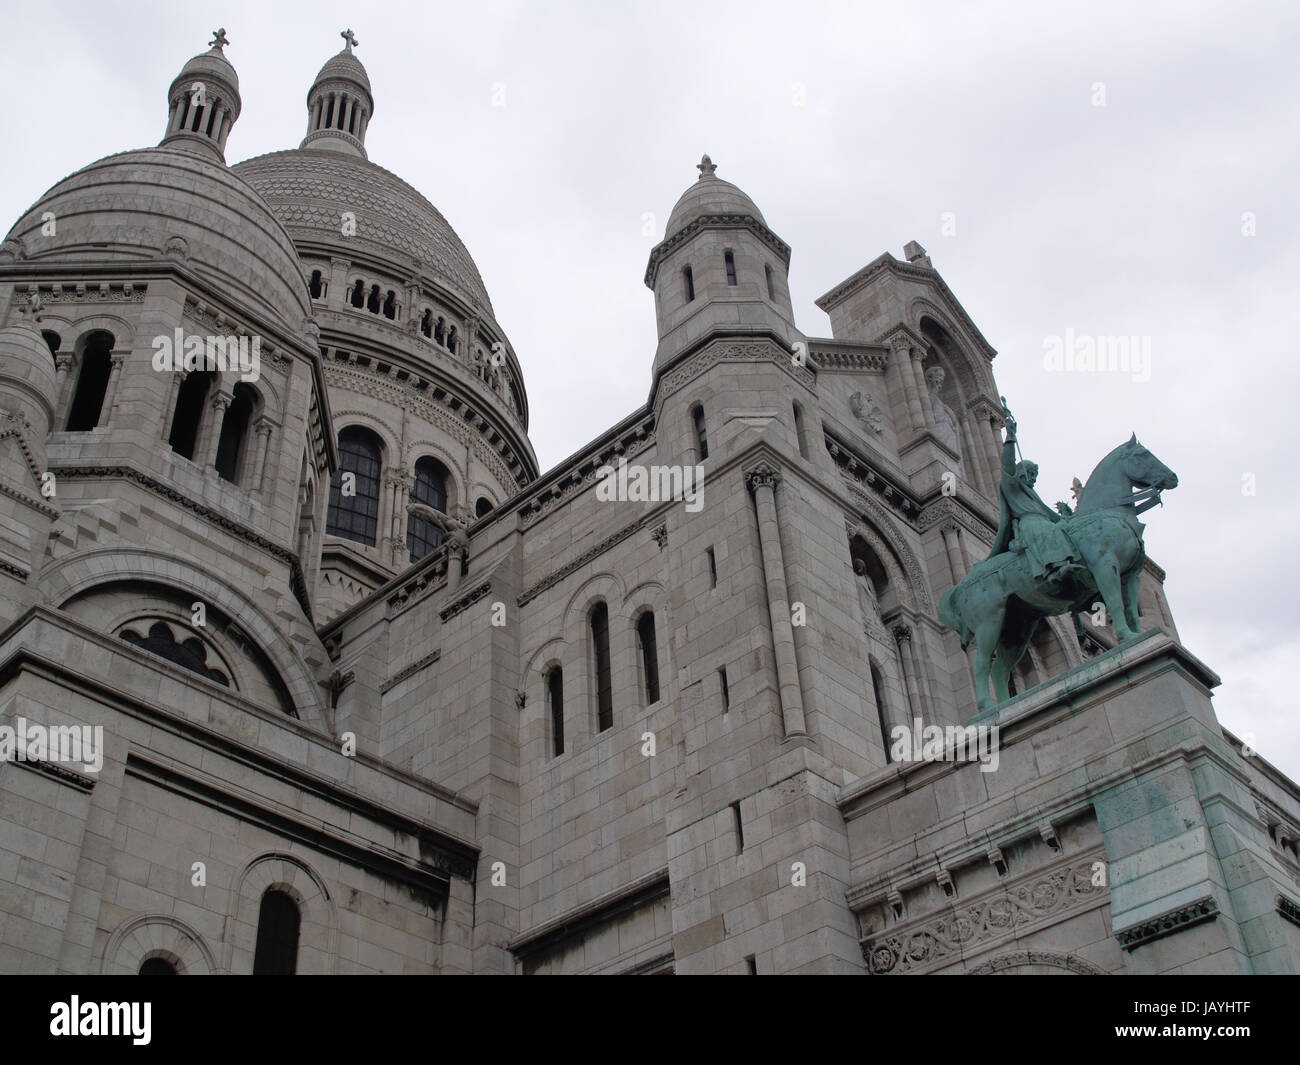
[[1143, 469], [1127, 467]]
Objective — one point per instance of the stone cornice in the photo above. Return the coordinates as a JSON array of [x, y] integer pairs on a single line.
[[576, 563], [727, 350], [859, 471], [463, 602], [600, 909], [1194, 913], [670, 244], [949, 509], [840, 356], [409, 671]]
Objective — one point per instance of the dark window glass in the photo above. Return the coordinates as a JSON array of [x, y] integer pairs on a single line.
[[645, 631], [483, 507], [426, 323], [359, 293], [430, 488], [234, 433], [356, 517], [730, 260], [277, 936], [604, 687], [157, 967], [52, 340], [316, 287], [555, 697], [771, 290], [191, 399], [878, 689], [390, 304], [689, 279], [92, 383], [701, 434]]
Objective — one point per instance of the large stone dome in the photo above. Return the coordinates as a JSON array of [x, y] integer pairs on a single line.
[[309, 190], [166, 202]]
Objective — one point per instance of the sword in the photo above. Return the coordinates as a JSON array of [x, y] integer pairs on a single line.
[[1006, 411]]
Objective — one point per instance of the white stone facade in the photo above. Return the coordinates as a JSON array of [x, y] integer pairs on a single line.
[[579, 734]]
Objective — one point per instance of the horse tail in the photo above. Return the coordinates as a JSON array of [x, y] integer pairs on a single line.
[[950, 614]]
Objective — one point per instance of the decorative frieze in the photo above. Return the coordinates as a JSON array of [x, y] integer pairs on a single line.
[[712, 354], [1194, 913], [464, 602], [80, 292]]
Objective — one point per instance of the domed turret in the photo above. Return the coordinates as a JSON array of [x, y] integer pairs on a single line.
[[718, 271], [203, 103], [339, 104], [28, 383]]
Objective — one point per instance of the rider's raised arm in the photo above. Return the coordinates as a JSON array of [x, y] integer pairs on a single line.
[[1009, 450]]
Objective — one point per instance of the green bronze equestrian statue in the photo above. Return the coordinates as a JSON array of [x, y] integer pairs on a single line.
[[1046, 562]]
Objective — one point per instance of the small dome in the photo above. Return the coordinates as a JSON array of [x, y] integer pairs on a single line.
[[710, 195], [211, 64], [344, 65], [26, 365], [143, 205]]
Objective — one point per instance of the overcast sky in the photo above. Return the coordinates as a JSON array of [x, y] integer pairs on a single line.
[[855, 127]]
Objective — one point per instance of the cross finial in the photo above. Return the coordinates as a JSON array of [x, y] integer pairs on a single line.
[[219, 39], [706, 167], [350, 37]]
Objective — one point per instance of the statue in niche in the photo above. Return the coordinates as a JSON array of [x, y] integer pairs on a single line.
[[864, 409], [945, 421], [867, 597]]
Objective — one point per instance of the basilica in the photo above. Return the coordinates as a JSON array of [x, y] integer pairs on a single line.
[[357, 688]]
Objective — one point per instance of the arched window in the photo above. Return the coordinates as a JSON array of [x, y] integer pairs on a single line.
[[233, 442], [451, 340], [316, 286], [430, 488], [191, 401], [356, 516], [92, 382], [688, 282], [52, 340], [390, 305], [645, 635], [156, 966], [426, 323], [438, 330], [555, 706], [730, 260], [483, 507], [359, 294], [600, 654], [517, 399], [701, 434], [771, 289], [372, 304], [278, 922]]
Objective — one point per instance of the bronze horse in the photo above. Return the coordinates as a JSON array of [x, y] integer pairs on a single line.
[[999, 603]]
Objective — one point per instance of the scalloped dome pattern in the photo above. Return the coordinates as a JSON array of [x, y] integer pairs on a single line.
[[344, 65], [309, 190], [130, 205]]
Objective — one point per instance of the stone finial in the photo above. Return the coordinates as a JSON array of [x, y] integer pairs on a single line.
[[218, 39], [706, 167], [351, 39]]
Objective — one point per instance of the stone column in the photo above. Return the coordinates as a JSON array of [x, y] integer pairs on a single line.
[[337, 295], [212, 431], [901, 351], [115, 361], [949, 532], [169, 410], [976, 471], [762, 482], [903, 634], [263, 430], [922, 390], [63, 394]]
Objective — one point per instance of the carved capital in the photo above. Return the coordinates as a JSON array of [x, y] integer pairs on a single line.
[[63, 362], [902, 632], [764, 475]]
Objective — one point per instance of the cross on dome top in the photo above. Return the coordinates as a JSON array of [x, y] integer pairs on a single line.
[[706, 167], [219, 39], [351, 39]]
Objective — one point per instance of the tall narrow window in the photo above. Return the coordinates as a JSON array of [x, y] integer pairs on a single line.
[[234, 433], [798, 431], [390, 305], [771, 289], [688, 279], [878, 689], [437, 330], [372, 303], [730, 260], [92, 383], [740, 828], [451, 340], [645, 632], [701, 434], [426, 323], [359, 294], [726, 691], [356, 516], [52, 340], [191, 401], [278, 924], [603, 685], [555, 703], [316, 286], [430, 488], [713, 569]]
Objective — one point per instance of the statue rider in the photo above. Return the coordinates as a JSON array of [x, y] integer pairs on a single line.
[[1025, 522]]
